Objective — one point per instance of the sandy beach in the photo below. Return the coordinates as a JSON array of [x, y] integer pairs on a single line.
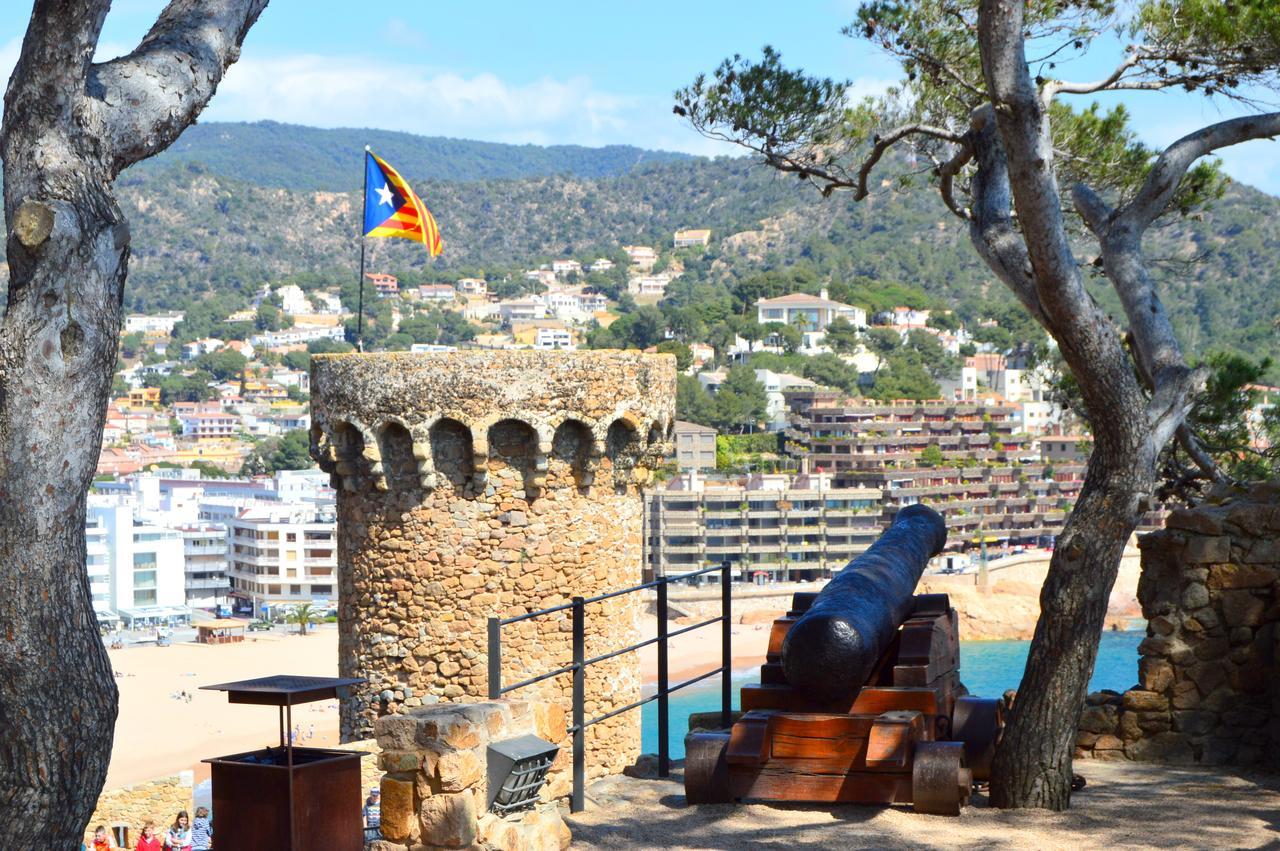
[[157, 735]]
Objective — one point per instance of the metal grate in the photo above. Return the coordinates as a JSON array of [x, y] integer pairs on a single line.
[[517, 769]]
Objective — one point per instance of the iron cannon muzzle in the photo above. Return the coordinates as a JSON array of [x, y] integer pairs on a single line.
[[832, 649]]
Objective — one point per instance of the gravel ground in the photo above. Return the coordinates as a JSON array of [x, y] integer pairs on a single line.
[[1125, 805]]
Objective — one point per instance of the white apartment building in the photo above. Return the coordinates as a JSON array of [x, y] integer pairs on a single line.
[[649, 285], [808, 314], [689, 238], [601, 264], [282, 555], [546, 277], [196, 348], [473, 286], [525, 310], [566, 267], [208, 425], [437, 292], [161, 323], [641, 255], [146, 570], [297, 335], [774, 384], [548, 339], [204, 550], [98, 564], [293, 300]]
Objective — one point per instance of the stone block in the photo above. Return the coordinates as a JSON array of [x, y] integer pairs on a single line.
[[1152, 723], [1185, 695], [1194, 596], [1207, 676], [1194, 722], [1212, 648], [1204, 521], [1099, 719], [1162, 747], [1086, 740], [1138, 700], [399, 761], [459, 769], [1203, 549], [1235, 576], [399, 809], [1098, 698], [1155, 674], [448, 820], [1240, 635], [549, 722], [1245, 716], [1129, 728], [1242, 608]]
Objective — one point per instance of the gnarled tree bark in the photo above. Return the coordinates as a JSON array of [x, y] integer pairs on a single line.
[[69, 128]]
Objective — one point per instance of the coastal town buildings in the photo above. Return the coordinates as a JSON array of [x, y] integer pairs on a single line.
[[279, 556], [699, 237], [695, 447]]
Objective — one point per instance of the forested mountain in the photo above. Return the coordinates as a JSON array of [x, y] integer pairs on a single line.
[[288, 156], [198, 230]]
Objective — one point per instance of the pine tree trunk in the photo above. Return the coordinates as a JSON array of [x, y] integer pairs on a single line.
[[1032, 766], [58, 698]]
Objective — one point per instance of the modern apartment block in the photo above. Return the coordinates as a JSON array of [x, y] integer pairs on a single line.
[[146, 576], [769, 527], [282, 556], [847, 440], [204, 549]]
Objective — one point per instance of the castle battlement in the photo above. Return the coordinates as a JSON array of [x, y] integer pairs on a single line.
[[482, 484], [395, 420]]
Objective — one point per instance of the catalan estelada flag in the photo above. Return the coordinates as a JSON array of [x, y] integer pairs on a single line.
[[392, 209]]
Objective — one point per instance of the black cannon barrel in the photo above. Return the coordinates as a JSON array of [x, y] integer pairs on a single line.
[[831, 649]]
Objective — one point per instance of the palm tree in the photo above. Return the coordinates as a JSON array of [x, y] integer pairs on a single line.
[[302, 615]]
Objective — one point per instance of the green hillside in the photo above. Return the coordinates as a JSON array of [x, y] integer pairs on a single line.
[[289, 156], [199, 231]]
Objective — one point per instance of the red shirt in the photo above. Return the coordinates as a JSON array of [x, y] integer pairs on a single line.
[[152, 844]]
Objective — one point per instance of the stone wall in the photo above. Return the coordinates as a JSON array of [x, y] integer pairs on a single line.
[[1209, 685], [435, 792], [488, 484], [161, 799], [156, 800]]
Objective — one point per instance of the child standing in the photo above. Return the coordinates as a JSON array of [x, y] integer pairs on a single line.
[[201, 831], [179, 836], [148, 841]]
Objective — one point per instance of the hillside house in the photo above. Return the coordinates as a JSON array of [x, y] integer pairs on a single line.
[[689, 238], [642, 256], [472, 286], [437, 292], [385, 285], [808, 314]]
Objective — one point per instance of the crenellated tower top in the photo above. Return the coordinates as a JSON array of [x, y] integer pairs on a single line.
[[399, 421]]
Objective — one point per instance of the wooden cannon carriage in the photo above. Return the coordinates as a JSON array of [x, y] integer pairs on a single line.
[[904, 732]]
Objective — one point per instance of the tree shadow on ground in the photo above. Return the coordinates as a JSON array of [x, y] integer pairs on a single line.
[[1125, 805]]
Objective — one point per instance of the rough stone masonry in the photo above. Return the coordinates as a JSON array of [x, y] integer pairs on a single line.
[[477, 484], [1209, 682]]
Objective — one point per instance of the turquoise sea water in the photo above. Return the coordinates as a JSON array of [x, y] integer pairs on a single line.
[[987, 669]]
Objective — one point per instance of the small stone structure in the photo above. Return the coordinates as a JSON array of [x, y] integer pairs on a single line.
[[477, 484], [435, 792], [1209, 685]]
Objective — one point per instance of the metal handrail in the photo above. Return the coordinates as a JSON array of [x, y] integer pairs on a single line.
[[580, 663]]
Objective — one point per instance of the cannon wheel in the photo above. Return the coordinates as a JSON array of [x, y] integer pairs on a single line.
[[706, 773], [940, 783], [977, 722]]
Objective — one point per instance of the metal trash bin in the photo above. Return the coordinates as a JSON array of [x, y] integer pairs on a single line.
[[287, 797]]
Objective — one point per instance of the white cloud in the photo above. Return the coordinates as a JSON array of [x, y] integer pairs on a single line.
[[354, 92]]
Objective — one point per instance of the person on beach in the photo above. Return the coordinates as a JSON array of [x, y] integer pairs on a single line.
[[201, 830], [102, 840], [179, 836], [148, 841]]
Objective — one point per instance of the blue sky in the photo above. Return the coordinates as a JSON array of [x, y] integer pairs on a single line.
[[555, 72]]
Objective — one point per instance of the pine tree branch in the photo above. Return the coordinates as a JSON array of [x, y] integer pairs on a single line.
[[151, 95]]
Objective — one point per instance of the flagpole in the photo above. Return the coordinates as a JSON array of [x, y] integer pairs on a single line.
[[364, 200]]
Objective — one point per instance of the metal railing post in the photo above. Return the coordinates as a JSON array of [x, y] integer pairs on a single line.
[[726, 645], [578, 801], [495, 658], [664, 719]]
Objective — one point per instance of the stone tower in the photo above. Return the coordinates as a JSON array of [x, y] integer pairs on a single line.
[[476, 484]]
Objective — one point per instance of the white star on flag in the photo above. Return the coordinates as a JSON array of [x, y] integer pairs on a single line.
[[384, 195]]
